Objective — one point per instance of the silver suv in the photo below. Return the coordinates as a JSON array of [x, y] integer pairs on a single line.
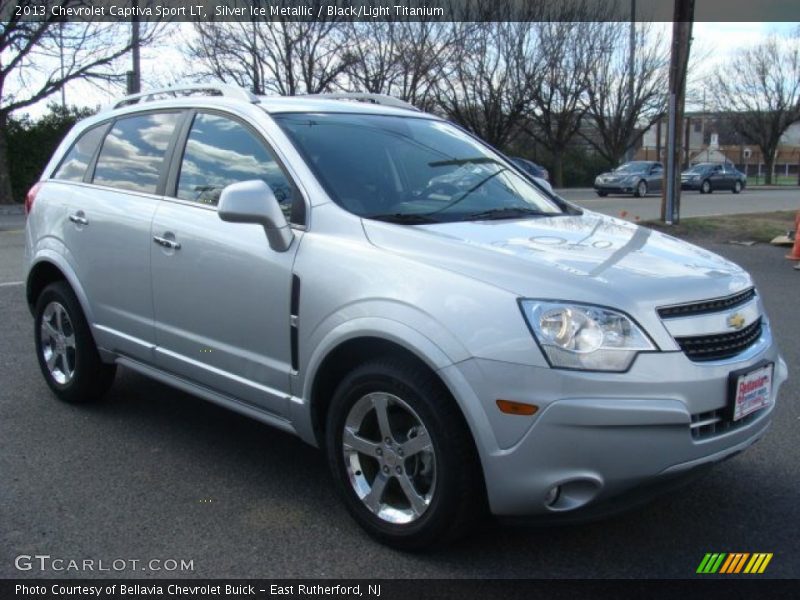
[[391, 289]]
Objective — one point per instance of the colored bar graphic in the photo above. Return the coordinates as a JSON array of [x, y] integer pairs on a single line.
[[758, 563], [734, 562]]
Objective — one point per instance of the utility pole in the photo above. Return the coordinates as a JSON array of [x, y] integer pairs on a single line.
[[631, 79], [135, 76], [682, 19], [61, 59]]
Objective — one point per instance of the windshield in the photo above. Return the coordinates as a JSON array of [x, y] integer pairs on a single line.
[[699, 169], [411, 170], [632, 167]]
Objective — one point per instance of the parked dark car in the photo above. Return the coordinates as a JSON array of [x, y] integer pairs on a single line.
[[531, 168], [707, 177], [637, 177]]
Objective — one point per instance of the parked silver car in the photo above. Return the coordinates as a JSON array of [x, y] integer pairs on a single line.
[[390, 289]]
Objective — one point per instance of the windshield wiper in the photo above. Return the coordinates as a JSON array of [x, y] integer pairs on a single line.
[[508, 212], [404, 219], [476, 160]]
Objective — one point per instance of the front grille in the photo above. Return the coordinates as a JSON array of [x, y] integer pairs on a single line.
[[720, 346], [715, 422], [706, 306]]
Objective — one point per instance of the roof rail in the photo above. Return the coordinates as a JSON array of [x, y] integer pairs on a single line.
[[228, 91], [382, 99]]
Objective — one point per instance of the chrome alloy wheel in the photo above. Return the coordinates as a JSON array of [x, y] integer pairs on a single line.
[[389, 457], [57, 343]]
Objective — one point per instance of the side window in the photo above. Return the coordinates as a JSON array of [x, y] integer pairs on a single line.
[[133, 152], [220, 151], [73, 166]]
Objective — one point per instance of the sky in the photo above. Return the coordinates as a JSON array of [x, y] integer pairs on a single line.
[[164, 65]]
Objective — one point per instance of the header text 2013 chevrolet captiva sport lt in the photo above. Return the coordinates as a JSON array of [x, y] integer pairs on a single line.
[[391, 289]]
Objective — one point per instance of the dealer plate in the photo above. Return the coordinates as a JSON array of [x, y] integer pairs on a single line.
[[751, 390]]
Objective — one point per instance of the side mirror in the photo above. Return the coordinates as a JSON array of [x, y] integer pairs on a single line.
[[254, 202]]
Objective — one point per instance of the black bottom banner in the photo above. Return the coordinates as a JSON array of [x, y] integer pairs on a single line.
[[393, 589]]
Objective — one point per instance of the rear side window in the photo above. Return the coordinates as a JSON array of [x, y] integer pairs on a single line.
[[220, 151], [73, 167], [132, 156]]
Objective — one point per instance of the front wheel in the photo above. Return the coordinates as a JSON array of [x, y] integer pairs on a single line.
[[67, 354], [641, 189], [602, 194], [401, 455], [705, 187], [737, 187]]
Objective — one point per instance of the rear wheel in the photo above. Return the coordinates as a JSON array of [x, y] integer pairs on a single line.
[[737, 186], [641, 189], [705, 187], [401, 455], [602, 194], [67, 354]]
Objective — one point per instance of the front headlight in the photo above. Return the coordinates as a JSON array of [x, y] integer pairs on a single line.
[[580, 336]]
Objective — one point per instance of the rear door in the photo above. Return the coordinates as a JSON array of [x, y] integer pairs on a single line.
[[718, 178], [221, 294], [655, 177], [107, 232]]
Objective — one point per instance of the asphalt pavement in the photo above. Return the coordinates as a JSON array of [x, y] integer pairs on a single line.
[[154, 473]]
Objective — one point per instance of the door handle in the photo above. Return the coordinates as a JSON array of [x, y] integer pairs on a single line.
[[166, 243], [79, 219]]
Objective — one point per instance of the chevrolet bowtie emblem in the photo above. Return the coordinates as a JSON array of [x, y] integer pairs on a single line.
[[736, 321]]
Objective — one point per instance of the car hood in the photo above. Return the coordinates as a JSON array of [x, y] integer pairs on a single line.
[[589, 257], [615, 175]]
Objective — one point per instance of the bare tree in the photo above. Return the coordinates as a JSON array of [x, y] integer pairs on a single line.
[[403, 58], [40, 57], [762, 93], [567, 52], [283, 57], [374, 62], [623, 103], [489, 89]]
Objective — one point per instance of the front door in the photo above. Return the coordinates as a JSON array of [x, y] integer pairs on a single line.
[[221, 294]]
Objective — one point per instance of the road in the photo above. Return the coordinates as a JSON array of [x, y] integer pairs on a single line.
[[693, 204], [157, 474]]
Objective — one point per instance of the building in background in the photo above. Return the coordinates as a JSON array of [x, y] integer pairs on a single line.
[[710, 137]]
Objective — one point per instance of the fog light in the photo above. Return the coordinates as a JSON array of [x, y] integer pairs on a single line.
[[552, 495]]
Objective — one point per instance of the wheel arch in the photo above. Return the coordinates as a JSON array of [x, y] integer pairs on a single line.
[[346, 355], [49, 268]]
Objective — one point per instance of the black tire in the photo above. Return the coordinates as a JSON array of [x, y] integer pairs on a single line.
[[602, 194], [737, 187], [641, 189], [458, 497], [91, 377], [705, 187]]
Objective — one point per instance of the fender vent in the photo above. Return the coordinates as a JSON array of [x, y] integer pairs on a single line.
[[294, 317]]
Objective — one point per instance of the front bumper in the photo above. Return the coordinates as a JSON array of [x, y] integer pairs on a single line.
[[691, 184], [598, 435], [615, 188]]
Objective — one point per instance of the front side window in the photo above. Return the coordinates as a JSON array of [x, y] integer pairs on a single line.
[[411, 170], [73, 167], [221, 151], [133, 152]]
